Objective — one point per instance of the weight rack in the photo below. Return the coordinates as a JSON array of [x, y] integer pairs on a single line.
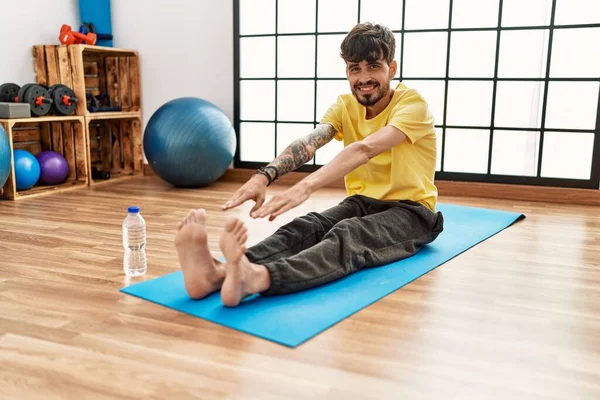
[[92, 72]]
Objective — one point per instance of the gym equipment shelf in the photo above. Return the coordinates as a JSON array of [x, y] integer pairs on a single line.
[[91, 71], [113, 138], [114, 145], [64, 135], [107, 142]]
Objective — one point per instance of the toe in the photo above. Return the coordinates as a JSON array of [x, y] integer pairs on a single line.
[[196, 217], [189, 218], [230, 225], [183, 221], [201, 215], [243, 231], [238, 226]]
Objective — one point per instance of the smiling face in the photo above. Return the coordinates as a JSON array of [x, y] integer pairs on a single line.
[[370, 80], [368, 51]]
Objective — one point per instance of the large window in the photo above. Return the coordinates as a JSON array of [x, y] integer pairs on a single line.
[[514, 85]]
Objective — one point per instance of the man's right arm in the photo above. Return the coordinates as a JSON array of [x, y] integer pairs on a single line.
[[302, 150], [298, 153]]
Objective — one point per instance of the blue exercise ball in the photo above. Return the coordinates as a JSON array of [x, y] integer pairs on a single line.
[[189, 142], [4, 157], [27, 169]]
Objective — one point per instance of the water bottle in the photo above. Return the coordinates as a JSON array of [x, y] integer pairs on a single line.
[[134, 243]]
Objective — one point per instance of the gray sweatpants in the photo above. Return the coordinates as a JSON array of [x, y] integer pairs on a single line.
[[360, 232]]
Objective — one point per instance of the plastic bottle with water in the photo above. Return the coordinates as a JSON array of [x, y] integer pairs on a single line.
[[134, 243]]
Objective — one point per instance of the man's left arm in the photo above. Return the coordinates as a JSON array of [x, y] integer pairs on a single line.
[[351, 157]]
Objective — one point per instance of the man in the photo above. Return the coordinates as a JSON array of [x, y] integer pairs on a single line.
[[388, 163]]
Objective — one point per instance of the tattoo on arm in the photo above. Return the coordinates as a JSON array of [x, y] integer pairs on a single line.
[[322, 135], [302, 150]]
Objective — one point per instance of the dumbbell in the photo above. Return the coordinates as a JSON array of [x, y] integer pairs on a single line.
[[34, 95], [68, 36], [94, 103], [58, 98], [9, 92], [89, 27], [37, 97], [63, 99]]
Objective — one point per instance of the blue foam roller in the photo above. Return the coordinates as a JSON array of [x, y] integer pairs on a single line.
[[97, 12]]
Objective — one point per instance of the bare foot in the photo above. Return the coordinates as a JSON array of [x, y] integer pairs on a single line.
[[242, 278], [201, 272]]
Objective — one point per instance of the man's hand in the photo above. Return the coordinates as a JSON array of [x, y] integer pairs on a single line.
[[283, 202], [254, 189]]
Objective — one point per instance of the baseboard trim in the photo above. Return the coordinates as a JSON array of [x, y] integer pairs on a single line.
[[547, 194], [589, 197]]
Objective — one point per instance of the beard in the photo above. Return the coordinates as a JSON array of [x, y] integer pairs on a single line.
[[372, 98]]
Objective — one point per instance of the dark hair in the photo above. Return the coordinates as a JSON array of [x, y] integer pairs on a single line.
[[368, 42]]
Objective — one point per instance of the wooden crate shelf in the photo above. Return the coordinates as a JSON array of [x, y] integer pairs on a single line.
[[64, 135], [114, 145], [90, 141], [91, 70]]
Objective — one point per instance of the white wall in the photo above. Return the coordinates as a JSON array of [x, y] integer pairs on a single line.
[[28, 23], [185, 46]]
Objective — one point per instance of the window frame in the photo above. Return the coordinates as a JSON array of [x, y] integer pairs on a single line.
[[488, 177]]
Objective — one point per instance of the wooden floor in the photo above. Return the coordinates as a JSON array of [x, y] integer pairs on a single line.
[[516, 317]]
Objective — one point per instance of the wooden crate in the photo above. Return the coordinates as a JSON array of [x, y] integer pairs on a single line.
[[39, 134], [114, 145], [91, 70]]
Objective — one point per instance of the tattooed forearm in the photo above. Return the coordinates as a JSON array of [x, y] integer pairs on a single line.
[[322, 135], [300, 153], [292, 157], [303, 150]]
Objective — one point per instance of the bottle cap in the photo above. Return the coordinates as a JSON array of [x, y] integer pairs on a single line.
[[133, 209]]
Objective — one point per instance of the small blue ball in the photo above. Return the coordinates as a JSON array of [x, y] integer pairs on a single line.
[[27, 169]]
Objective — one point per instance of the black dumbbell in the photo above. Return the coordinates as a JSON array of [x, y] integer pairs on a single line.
[[37, 98], [9, 92], [63, 99]]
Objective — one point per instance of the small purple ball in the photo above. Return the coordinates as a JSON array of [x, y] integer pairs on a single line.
[[54, 168]]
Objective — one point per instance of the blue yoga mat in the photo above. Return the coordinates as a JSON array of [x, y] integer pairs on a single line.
[[293, 319]]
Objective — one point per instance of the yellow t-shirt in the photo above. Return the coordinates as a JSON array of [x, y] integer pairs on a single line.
[[406, 172]]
